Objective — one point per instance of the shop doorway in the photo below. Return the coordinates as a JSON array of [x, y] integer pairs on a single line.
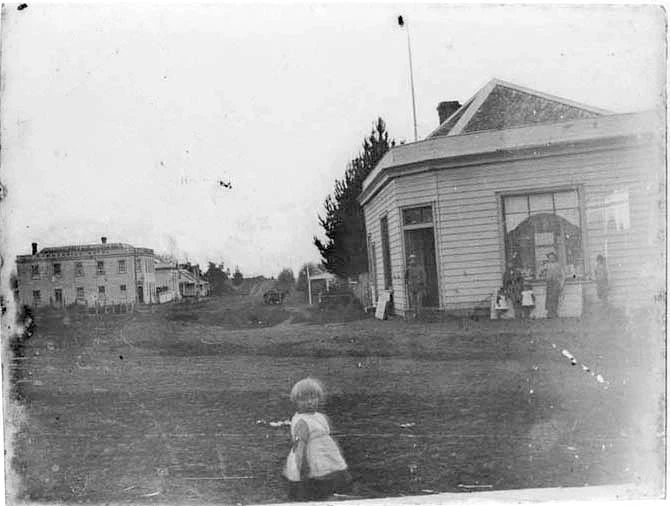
[[421, 242]]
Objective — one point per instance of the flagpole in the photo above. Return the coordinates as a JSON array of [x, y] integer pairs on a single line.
[[402, 22]]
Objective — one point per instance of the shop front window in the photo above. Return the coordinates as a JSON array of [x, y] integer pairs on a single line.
[[537, 224]]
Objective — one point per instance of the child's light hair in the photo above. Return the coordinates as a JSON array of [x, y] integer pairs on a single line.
[[308, 394]]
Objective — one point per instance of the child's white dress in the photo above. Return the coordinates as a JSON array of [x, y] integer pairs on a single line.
[[322, 453], [527, 298]]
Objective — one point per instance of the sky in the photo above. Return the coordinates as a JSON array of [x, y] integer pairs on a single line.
[[121, 120]]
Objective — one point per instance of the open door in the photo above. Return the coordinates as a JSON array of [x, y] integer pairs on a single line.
[[421, 242]]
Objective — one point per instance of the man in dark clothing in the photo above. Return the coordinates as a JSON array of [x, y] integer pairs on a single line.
[[415, 279], [555, 280]]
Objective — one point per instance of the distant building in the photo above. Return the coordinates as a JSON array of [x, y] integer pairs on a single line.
[[319, 282], [167, 281], [191, 284], [90, 274], [511, 176]]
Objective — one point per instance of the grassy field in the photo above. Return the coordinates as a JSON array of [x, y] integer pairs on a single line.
[[174, 405]]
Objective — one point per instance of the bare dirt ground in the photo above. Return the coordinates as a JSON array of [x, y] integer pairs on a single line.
[[179, 404]]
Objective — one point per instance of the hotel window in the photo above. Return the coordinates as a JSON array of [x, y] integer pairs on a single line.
[[122, 266], [37, 297], [537, 224], [35, 271], [101, 291], [80, 293], [123, 288], [101, 267], [78, 269], [57, 271], [138, 264]]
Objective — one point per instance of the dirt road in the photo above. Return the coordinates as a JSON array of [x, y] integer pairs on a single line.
[[151, 408]]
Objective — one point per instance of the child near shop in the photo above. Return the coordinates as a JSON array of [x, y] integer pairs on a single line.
[[527, 301], [500, 305]]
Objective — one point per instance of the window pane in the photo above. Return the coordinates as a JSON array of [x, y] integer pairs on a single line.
[[417, 215], [386, 253], [566, 199], [571, 215], [544, 239], [541, 202], [541, 253], [411, 216], [544, 222], [427, 214], [514, 220], [530, 237], [516, 204]]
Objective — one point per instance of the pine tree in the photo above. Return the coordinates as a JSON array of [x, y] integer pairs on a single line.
[[344, 252], [238, 277], [217, 277]]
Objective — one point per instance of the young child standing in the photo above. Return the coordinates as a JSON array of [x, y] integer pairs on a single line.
[[527, 300], [314, 467]]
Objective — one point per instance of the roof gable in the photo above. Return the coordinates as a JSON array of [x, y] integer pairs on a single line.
[[500, 105]]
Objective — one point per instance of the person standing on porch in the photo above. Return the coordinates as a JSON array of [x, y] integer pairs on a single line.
[[555, 280], [415, 279]]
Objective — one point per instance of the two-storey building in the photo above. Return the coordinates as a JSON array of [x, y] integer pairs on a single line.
[[103, 274]]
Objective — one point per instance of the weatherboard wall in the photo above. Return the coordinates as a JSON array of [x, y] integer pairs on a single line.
[[384, 205]]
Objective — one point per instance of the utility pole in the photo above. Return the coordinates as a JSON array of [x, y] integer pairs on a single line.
[[309, 285]]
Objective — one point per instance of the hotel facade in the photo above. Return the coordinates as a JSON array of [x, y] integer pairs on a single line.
[[92, 274]]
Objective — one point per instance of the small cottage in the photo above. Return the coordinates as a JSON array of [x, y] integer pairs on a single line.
[[510, 176]]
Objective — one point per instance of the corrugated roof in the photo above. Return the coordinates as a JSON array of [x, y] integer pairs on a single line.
[[500, 105]]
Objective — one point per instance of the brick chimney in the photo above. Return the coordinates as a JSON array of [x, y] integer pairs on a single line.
[[34, 245], [103, 240], [446, 109]]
